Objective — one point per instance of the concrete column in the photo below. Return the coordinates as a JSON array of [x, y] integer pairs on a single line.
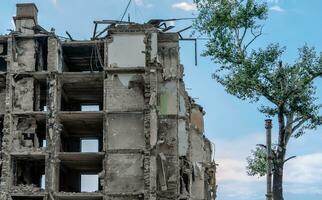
[[26, 18]]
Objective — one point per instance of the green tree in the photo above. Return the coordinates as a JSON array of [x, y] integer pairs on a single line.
[[257, 162], [232, 27]]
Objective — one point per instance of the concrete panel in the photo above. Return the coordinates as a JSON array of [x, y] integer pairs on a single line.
[[197, 120], [209, 150], [2, 100], [125, 131], [127, 50], [168, 55], [153, 128], [27, 10], [197, 153], [154, 46], [23, 95], [183, 138], [169, 99], [26, 50], [125, 173], [54, 57], [25, 26], [167, 137], [182, 106], [124, 92]]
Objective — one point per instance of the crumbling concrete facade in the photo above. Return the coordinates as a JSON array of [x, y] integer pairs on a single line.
[[125, 91]]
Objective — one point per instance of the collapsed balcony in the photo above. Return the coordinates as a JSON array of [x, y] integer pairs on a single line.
[[82, 92], [81, 132], [80, 56]]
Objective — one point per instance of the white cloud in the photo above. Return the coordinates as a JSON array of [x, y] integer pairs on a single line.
[[185, 6], [234, 170], [277, 8], [233, 181], [306, 169]]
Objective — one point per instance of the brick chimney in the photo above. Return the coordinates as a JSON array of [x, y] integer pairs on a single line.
[[26, 17]]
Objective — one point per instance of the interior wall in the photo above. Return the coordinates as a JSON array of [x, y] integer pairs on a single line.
[[26, 53], [23, 99]]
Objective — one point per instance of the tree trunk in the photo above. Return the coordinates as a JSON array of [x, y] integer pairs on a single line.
[[280, 157], [278, 182], [278, 172]]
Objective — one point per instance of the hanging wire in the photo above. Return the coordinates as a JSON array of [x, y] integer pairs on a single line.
[[96, 58], [125, 11], [99, 56]]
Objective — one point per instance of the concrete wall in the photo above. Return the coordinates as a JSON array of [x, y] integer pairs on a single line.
[[124, 92], [2, 100], [198, 160], [169, 100], [26, 50], [21, 25], [127, 50], [197, 121], [54, 56], [125, 131], [125, 173], [183, 137], [168, 55], [23, 99]]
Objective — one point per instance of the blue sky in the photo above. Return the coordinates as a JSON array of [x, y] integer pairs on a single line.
[[235, 126]]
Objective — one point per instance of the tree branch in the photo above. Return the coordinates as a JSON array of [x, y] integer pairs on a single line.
[[255, 36], [244, 34], [308, 81], [292, 157], [298, 125], [288, 128]]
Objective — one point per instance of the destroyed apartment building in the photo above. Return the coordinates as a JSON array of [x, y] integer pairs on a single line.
[[112, 109]]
